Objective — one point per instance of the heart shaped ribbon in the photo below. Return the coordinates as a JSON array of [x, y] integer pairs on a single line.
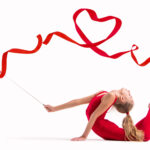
[[91, 45], [88, 44]]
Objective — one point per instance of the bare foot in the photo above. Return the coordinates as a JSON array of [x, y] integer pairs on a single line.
[[149, 105]]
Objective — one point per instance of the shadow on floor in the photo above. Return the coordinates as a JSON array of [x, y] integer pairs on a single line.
[[49, 138]]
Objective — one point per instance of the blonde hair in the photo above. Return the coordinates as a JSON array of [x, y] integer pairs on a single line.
[[131, 132]]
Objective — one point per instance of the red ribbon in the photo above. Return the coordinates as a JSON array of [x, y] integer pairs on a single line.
[[88, 44], [21, 51], [91, 45]]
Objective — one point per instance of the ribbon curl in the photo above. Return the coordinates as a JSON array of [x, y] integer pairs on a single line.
[[88, 44], [21, 51], [91, 45]]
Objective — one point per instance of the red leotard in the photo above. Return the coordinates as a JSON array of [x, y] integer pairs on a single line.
[[109, 130]]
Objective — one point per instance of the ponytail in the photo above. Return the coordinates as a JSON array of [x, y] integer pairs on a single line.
[[131, 132]]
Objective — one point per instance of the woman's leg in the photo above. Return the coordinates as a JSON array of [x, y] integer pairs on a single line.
[[144, 124], [108, 130]]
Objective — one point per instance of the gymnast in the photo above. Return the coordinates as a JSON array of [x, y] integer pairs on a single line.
[[98, 105]]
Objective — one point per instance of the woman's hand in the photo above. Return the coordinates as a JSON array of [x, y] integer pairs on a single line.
[[49, 108], [81, 138]]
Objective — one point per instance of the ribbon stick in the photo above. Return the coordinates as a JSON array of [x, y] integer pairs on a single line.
[[23, 89]]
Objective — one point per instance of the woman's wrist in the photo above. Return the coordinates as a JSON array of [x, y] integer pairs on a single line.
[[55, 108], [83, 135]]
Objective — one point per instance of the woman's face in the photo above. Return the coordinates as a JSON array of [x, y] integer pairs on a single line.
[[125, 95]]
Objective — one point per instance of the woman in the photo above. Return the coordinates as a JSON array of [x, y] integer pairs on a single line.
[[99, 103]]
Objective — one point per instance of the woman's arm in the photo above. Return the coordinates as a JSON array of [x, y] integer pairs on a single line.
[[87, 99], [108, 99], [71, 103]]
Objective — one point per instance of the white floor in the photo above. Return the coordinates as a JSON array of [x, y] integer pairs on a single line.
[[56, 143]]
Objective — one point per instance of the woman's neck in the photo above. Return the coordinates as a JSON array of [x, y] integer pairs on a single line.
[[117, 94]]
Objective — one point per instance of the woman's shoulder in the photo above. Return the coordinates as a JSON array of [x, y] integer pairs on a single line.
[[108, 97]]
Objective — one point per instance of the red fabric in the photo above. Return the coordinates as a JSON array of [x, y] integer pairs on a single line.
[[107, 129], [17, 50], [88, 44], [144, 124], [91, 45]]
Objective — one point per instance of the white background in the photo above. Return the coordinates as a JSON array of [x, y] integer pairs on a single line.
[[62, 71]]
